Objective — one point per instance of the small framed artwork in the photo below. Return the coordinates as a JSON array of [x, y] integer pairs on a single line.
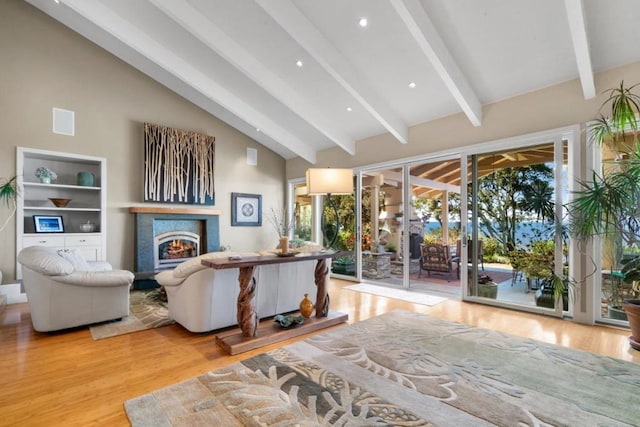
[[48, 224], [246, 209]]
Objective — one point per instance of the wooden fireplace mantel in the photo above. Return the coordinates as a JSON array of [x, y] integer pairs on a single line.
[[176, 211]]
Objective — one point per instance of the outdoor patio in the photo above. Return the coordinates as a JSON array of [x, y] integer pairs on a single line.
[[447, 285]]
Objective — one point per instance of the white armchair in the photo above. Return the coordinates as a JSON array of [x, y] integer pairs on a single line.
[[64, 291]]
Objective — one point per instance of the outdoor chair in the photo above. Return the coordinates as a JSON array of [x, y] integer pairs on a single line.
[[435, 257]]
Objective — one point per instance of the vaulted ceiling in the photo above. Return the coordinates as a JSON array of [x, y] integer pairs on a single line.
[[301, 76]]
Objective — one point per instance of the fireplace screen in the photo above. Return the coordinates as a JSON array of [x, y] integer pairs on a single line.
[[173, 247]]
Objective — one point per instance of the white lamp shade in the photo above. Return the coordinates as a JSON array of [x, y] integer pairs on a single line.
[[329, 181]]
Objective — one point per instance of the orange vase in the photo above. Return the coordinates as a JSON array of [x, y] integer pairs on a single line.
[[306, 307], [284, 244]]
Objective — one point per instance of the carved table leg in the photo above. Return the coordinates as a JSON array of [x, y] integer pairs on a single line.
[[322, 285], [247, 316]]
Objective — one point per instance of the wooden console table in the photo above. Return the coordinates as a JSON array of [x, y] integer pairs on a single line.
[[252, 336]]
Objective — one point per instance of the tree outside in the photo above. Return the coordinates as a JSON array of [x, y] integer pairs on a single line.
[[510, 197]]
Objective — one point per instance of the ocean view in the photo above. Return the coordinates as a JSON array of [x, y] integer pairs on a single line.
[[526, 231]]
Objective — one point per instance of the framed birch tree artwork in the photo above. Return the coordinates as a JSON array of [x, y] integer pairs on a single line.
[[178, 166]]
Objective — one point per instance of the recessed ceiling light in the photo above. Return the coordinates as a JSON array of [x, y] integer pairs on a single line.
[[57, 1], [299, 63], [363, 22], [412, 85], [349, 109], [257, 129]]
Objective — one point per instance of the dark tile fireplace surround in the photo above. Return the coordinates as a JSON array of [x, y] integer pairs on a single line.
[[154, 221]]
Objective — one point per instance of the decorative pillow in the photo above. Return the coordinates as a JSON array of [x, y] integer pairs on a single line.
[[45, 261], [79, 264]]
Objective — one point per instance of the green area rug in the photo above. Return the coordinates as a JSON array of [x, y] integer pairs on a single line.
[[404, 369], [147, 310]]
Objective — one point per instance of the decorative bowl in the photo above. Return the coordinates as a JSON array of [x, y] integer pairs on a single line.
[[87, 227], [287, 254], [288, 321], [60, 203]]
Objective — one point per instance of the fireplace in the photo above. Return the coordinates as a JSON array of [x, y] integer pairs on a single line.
[[173, 247], [167, 236]]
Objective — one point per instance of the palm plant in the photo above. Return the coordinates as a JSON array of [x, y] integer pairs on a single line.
[[538, 198], [8, 195], [609, 204], [624, 107]]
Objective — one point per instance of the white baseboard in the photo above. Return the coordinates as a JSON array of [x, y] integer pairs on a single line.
[[12, 294]]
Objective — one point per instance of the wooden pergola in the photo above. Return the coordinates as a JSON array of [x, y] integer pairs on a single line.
[[446, 174], [435, 180]]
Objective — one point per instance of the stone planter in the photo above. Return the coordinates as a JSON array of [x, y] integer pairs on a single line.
[[544, 298], [343, 267], [488, 290], [617, 313]]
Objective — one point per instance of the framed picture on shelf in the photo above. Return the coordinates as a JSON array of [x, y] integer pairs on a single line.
[[246, 209], [48, 224]]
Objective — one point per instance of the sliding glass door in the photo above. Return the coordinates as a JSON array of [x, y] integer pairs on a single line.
[[487, 225], [406, 207], [514, 243]]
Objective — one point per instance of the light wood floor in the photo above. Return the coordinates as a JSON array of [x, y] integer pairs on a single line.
[[69, 379]]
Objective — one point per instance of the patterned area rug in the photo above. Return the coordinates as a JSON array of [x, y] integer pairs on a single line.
[[401, 294], [147, 310], [404, 369]]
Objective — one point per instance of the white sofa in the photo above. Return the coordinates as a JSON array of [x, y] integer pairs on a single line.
[[64, 291], [202, 299]]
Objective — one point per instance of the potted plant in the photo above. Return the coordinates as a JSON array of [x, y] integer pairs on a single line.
[[344, 265], [8, 195], [45, 175], [547, 294], [283, 224], [631, 302], [609, 204], [391, 247], [538, 263], [487, 288], [616, 287]]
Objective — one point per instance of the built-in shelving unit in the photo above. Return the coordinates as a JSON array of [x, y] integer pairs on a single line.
[[87, 205]]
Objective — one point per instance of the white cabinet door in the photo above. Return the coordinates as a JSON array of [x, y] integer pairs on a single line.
[[88, 247], [89, 253], [49, 241]]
